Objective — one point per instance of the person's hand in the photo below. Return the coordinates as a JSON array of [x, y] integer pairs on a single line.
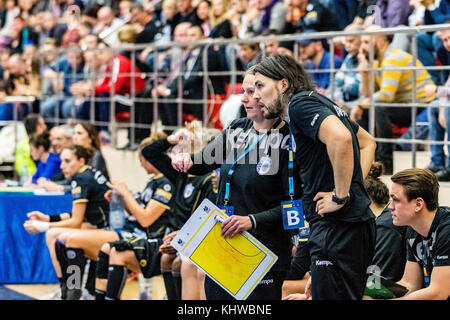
[[168, 238], [295, 296], [108, 195], [37, 215], [49, 186], [363, 62], [167, 248], [441, 118], [121, 187], [308, 289], [430, 90], [161, 90], [325, 204], [367, 298], [36, 226], [182, 162], [182, 136], [356, 113], [235, 225]]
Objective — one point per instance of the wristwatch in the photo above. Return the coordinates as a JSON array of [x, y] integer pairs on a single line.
[[337, 200]]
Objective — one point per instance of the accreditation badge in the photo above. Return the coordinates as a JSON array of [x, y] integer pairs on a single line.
[[228, 210], [293, 217]]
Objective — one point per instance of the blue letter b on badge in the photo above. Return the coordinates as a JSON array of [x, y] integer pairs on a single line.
[[292, 214]]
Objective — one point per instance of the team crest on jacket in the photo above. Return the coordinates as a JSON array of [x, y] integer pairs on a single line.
[[188, 190], [263, 166]]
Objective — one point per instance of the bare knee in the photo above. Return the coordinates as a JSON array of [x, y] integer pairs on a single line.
[[176, 265], [200, 275], [166, 261], [106, 248], [121, 258]]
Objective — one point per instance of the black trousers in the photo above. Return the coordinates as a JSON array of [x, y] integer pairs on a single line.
[[340, 253], [268, 289]]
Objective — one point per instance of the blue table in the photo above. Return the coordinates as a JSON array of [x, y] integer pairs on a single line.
[[24, 257]]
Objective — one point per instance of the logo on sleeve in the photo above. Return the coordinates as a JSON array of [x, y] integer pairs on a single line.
[[167, 187], [313, 122]]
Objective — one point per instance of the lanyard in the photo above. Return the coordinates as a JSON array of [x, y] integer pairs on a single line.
[[291, 168], [233, 166], [425, 262]]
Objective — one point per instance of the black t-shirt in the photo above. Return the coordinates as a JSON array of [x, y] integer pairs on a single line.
[[159, 189], [437, 243], [307, 110], [90, 186], [190, 190], [260, 180], [390, 247]]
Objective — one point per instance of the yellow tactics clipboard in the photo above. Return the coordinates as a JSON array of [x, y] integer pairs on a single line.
[[237, 264]]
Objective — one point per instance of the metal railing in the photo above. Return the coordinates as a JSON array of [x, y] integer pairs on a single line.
[[157, 76]]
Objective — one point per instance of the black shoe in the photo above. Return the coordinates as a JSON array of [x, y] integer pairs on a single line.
[[129, 147], [443, 175], [73, 294]]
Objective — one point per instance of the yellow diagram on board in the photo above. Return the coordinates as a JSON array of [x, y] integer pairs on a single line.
[[230, 261]]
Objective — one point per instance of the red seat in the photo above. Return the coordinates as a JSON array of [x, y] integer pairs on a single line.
[[397, 131], [123, 116]]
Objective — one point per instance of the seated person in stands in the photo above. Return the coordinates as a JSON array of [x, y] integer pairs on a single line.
[[439, 121], [138, 247], [90, 210], [120, 85], [49, 163], [313, 53], [415, 203], [346, 83], [393, 86]]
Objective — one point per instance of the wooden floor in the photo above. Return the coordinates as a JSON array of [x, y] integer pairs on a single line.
[[130, 292]]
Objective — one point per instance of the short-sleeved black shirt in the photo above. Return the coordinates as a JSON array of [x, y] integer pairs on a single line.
[[307, 110], [90, 185], [159, 189], [390, 247], [437, 242]]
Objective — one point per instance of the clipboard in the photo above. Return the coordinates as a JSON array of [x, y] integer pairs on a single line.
[[236, 264]]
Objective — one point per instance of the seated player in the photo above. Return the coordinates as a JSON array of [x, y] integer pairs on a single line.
[[190, 190], [89, 211], [137, 251]]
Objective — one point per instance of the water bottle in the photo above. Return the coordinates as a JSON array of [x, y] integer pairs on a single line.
[[116, 212], [24, 175], [145, 287]]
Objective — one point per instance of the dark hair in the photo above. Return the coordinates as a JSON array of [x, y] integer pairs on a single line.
[[42, 139], [419, 183], [377, 189], [278, 67], [81, 152], [92, 133], [31, 121]]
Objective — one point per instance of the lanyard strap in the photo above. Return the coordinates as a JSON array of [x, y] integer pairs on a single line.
[[425, 262], [233, 166], [291, 168]]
